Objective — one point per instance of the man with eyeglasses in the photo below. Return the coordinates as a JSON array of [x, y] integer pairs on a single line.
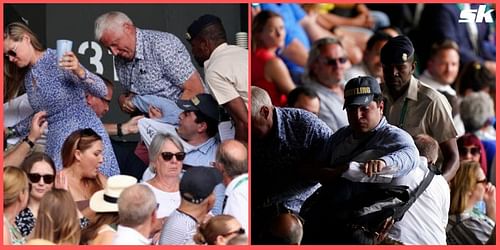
[[325, 74], [416, 107]]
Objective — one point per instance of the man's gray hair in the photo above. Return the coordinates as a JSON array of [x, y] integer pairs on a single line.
[[260, 98], [476, 109], [110, 20], [135, 205], [315, 51]]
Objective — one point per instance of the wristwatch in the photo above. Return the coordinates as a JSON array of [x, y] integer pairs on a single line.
[[119, 131], [30, 143]]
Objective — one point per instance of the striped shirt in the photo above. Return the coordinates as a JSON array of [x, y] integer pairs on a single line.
[[179, 229]]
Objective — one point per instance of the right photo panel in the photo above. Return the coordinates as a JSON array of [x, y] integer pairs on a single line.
[[373, 123]]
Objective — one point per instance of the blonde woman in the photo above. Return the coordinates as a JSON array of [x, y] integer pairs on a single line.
[[57, 87], [15, 199], [82, 154], [57, 219], [465, 224], [218, 230]]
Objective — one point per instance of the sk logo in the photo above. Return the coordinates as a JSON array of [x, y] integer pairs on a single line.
[[480, 15]]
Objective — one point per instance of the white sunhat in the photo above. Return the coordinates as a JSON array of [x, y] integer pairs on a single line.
[[106, 200]]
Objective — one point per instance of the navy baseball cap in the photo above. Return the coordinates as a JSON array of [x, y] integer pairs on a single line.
[[198, 182], [361, 90], [205, 103]]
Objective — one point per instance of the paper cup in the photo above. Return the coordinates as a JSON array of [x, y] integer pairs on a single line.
[[63, 46]]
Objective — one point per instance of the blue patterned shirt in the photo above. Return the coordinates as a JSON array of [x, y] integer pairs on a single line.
[[297, 137], [160, 67]]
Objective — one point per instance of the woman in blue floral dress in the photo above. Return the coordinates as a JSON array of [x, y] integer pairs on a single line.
[[56, 87]]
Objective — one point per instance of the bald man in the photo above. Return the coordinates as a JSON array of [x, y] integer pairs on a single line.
[[286, 229], [231, 159]]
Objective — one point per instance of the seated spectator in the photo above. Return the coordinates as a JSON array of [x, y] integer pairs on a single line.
[[326, 65], [57, 219], [198, 197], [304, 97], [466, 226], [268, 70], [82, 154], [427, 147], [197, 132], [231, 160], [166, 154], [441, 22], [102, 229], [371, 65], [475, 77], [15, 199], [41, 174], [285, 229], [477, 112], [470, 148], [137, 210], [218, 230]]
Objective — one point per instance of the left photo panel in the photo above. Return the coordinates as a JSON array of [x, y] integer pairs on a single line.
[[125, 124]]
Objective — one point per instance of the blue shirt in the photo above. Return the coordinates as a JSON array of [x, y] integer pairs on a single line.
[[160, 67], [388, 143], [297, 137]]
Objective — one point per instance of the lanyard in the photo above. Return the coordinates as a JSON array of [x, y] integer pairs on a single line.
[[403, 113]]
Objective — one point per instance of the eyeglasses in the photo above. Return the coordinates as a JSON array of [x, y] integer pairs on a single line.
[[167, 156], [333, 61], [238, 231], [35, 178], [483, 181], [472, 150], [12, 52], [105, 100]]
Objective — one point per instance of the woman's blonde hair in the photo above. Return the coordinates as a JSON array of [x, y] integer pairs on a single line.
[[463, 182], [14, 76], [15, 181], [207, 232], [57, 219]]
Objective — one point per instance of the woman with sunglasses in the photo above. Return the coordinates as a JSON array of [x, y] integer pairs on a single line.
[[465, 224], [470, 148], [41, 173], [57, 87], [268, 70], [218, 230], [166, 154], [82, 154], [15, 199]]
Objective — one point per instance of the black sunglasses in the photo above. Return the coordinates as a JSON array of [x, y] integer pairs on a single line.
[[35, 178], [239, 231], [12, 52], [167, 156], [465, 151], [334, 61]]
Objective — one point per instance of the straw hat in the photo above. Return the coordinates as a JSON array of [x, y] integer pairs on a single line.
[[106, 200]]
